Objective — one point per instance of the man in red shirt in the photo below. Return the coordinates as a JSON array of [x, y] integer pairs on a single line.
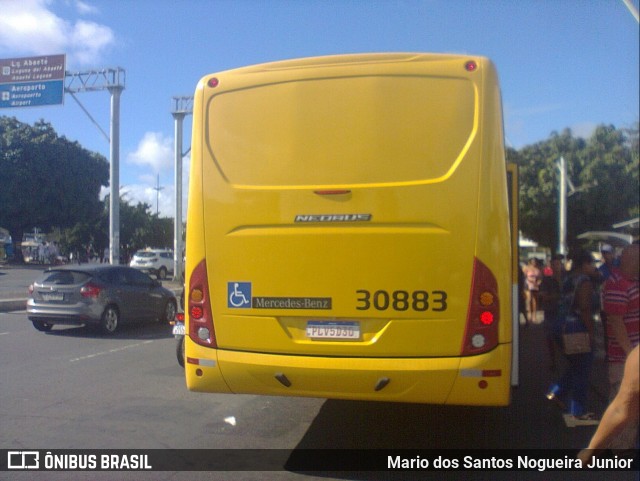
[[620, 297]]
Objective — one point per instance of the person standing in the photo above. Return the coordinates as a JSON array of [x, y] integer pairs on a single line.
[[607, 266], [621, 412], [620, 299], [550, 294], [533, 279], [579, 297], [605, 270]]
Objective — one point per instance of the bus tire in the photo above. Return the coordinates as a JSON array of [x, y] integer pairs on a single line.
[[180, 351]]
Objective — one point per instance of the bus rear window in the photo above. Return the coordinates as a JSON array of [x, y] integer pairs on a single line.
[[341, 131]]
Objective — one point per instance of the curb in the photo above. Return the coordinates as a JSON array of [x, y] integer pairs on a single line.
[[8, 305]]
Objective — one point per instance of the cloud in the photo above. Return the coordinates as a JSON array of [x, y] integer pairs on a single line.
[[86, 9], [93, 38], [155, 151], [584, 129], [164, 199], [156, 156], [30, 27]]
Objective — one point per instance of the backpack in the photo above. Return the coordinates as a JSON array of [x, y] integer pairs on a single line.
[[574, 335]]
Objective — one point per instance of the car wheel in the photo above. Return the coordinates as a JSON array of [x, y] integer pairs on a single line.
[[169, 314], [42, 326], [180, 351], [162, 273], [110, 320]]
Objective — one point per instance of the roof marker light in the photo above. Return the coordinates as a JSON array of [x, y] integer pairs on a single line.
[[471, 66], [213, 82]]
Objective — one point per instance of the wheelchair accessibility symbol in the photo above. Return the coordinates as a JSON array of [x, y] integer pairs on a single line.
[[239, 295]]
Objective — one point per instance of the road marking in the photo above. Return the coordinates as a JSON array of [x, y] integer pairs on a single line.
[[110, 351], [3, 333]]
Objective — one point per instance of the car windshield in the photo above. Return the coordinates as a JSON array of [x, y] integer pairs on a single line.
[[146, 254], [64, 277]]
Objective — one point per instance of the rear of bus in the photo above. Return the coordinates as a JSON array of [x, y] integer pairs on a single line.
[[348, 231]]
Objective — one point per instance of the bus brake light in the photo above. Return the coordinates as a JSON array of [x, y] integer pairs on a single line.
[[481, 332], [200, 318]]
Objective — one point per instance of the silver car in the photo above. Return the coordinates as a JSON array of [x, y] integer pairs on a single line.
[[100, 295]]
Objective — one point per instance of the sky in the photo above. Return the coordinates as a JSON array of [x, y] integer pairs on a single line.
[[562, 63]]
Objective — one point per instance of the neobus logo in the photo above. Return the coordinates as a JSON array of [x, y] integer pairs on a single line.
[[334, 218]]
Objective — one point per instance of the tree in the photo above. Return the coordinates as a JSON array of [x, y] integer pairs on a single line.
[[604, 170], [138, 229], [46, 180]]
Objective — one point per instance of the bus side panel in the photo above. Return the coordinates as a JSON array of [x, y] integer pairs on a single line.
[[494, 234]]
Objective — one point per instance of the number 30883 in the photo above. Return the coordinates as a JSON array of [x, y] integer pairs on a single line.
[[419, 301]]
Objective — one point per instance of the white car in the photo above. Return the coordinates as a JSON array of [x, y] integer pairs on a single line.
[[158, 262]]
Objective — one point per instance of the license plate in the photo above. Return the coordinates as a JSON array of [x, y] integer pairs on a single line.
[[53, 296], [178, 329], [349, 331]]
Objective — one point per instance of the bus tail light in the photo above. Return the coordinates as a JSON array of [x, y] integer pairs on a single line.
[[199, 308], [483, 315]]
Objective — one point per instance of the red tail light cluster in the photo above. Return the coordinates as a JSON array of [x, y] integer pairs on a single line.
[[90, 290], [199, 308], [481, 333]]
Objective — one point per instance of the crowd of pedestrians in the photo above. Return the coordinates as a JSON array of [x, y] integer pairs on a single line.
[[45, 253], [571, 300]]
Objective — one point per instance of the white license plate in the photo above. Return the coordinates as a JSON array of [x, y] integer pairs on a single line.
[[178, 330], [349, 331], [53, 296]]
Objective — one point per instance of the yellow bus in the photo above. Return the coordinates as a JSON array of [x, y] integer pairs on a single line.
[[348, 231]]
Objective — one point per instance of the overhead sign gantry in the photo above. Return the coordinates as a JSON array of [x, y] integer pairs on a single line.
[[38, 81]]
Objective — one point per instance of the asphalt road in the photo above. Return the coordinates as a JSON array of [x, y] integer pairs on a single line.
[[73, 388]]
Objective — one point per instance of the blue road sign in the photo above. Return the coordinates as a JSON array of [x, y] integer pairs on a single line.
[[31, 94], [32, 81]]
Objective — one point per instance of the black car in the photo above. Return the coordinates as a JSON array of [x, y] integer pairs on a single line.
[[100, 295]]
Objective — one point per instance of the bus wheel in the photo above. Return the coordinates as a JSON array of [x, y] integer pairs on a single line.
[[180, 351]]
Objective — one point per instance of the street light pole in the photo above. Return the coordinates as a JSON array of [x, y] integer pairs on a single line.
[[562, 208], [114, 200], [563, 182], [177, 225], [182, 106], [113, 80]]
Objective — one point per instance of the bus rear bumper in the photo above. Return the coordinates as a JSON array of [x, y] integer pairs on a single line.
[[476, 380]]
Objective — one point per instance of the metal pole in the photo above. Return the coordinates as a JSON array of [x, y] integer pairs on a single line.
[[562, 204], [114, 201], [177, 226]]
